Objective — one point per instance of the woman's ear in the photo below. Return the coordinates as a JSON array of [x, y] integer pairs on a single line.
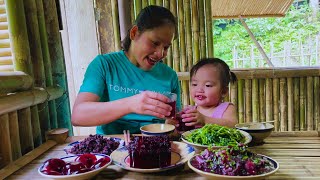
[[133, 32]]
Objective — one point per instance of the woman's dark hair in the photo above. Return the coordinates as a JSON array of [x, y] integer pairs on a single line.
[[149, 18], [226, 76]]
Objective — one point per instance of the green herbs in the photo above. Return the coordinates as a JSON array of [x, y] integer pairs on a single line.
[[215, 135]]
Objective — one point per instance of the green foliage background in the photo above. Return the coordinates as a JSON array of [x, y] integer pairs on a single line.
[[297, 24]]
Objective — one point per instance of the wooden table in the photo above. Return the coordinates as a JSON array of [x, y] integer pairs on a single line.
[[299, 158]]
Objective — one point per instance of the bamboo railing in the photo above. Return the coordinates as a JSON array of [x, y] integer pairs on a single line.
[[288, 96]]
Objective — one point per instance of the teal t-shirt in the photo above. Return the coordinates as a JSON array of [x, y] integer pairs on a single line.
[[112, 76]]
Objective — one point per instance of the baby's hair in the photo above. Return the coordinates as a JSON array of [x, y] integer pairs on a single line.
[[149, 18], [226, 76]]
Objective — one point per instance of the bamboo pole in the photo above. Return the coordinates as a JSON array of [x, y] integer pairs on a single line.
[[241, 101], [255, 100], [195, 31], [28, 98], [234, 94], [256, 73], [19, 36], [38, 70], [14, 81], [283, 105], [133, 17], [269, 98], [248, 100], [263, 53], [138, 7], [183, 60], [169, 59], [182, 39], [58, 64], [5, 148], [144, 3], [202, 33], [262, 107], [290, 104], [175, 46], [309, 109], [115, 22], [25, 130], [296, 100], [189, 57], [302, 104], [47, 66], [275, 92], [14, 135], [152, 2], [209, 28], [316, 103], [159, 3]]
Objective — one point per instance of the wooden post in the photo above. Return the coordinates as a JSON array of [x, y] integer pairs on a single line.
[[262, 100]]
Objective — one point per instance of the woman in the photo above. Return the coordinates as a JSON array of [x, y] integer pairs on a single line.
[[126, 89]]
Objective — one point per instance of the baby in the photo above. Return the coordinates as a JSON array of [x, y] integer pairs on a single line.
[[209, 84]]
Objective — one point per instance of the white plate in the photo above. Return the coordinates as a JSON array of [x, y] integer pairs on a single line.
[[201, 147], [81, 176], [213, 176], [67, 149], [180, 154]]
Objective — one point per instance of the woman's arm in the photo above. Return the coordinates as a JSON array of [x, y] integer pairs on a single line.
[[87, 111]]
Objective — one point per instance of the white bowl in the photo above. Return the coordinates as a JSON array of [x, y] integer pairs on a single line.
[[258, 131], [200, 147], [157, 129], [81, 176], [213, 176]]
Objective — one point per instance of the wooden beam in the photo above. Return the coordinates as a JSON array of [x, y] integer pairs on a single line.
[[14, 81]]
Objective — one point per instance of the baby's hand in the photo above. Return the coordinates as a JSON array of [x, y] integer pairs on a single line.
[[192, 117]]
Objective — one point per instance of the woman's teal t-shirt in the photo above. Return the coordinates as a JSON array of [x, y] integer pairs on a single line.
[[112, 76]]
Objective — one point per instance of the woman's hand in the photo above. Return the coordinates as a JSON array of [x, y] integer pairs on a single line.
[[150, 103], [192, 117]]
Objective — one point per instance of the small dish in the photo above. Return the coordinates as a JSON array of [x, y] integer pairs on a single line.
[[258, 130], [81, 176], [157, 129], [180, 154], [67, 149], [200, 147], [213, 176]]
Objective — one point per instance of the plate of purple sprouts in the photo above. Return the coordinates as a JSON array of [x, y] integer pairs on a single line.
[[232, 162], [94, 144]]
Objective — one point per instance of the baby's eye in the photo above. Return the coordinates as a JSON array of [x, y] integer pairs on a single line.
[[193, 84], [155, 43], [208, 85]]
